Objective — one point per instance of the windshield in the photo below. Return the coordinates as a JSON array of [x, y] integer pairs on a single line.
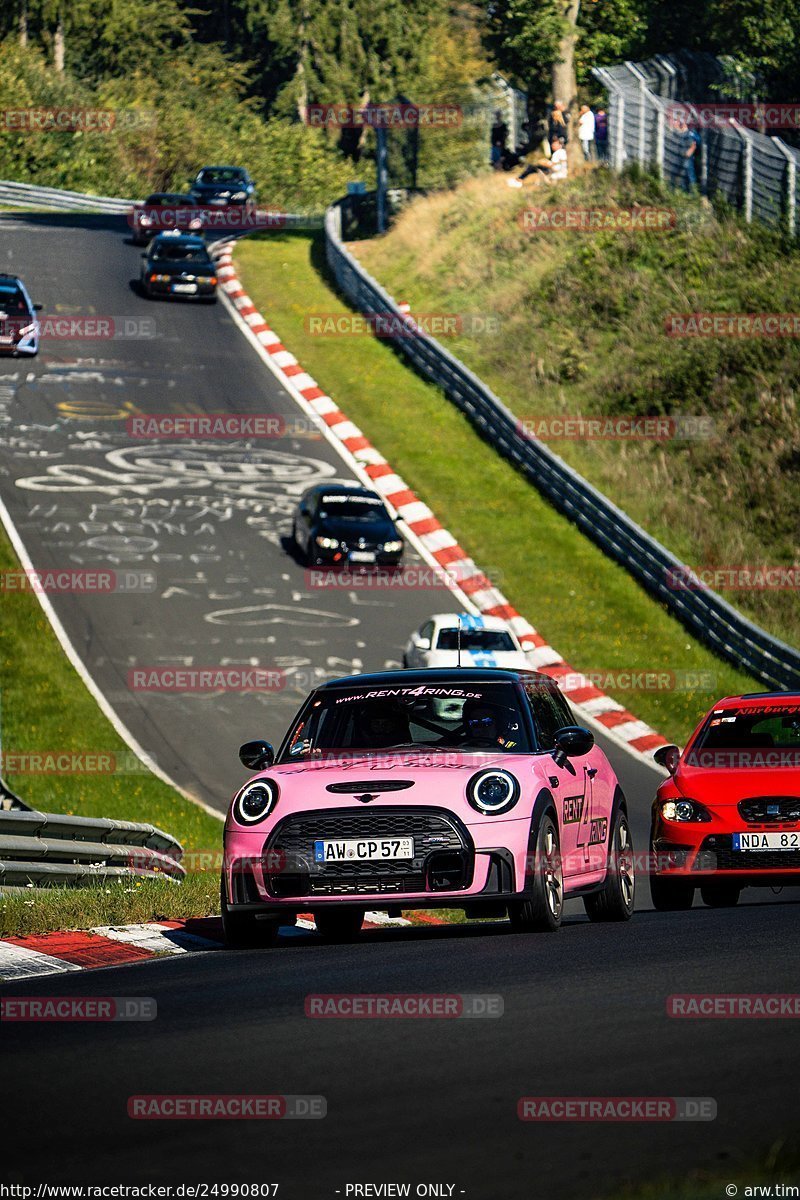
[[12, 303], [409, 717], [352, 508], [490, 640], [171, 253], [749, 737], [220, 175]]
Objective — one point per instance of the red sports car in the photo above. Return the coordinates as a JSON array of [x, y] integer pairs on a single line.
[[729, 815]]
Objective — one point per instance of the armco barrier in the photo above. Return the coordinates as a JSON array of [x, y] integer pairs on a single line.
[[706, 614], [27, 195], [42, 850]]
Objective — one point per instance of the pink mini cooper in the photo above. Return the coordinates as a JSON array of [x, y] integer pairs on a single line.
[[461, 788]]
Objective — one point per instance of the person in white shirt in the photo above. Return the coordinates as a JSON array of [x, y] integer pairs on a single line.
[[586, 126], [555, 168], [558, 161]]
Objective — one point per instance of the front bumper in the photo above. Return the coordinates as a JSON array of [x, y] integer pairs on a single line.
[[278, 873], [699, 853], [342, 559], [164, 291]]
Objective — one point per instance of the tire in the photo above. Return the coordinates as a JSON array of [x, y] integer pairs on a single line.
[[670, 895], [720, 893], [615, 900], [298, 549], [541, 912], [339, 924], [242, 929]]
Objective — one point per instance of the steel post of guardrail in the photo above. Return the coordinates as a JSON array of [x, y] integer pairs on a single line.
[[747, 164], [660, 141], [641, 145], [791, 185]]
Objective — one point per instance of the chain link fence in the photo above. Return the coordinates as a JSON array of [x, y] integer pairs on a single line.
[[754, 173]]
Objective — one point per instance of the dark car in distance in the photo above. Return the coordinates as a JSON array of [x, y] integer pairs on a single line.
[[221, 186], [345, 524], [162, 212], [179, 264]]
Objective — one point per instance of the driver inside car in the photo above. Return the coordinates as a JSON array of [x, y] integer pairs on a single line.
[[489, 725]]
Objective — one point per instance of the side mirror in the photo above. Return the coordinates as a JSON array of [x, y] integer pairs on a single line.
[[38, 307], [143, 256], [256, 756], [422, 643], [573, 741], [668, 757]]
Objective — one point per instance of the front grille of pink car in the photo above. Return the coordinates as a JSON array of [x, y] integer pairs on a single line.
[[443, 853]]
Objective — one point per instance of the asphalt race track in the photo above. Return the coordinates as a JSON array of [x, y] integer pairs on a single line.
[[417, 1101]]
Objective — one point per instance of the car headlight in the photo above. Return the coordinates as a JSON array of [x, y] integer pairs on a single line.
[[26, 331], [206, 279], [239, 196], [392, 547], [255, 801], [160, 278], [326, 543], [493, 791], [684, 810]]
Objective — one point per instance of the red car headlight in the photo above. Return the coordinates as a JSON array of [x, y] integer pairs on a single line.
[[684, 810]]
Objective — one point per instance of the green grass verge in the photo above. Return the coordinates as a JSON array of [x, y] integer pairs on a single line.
[[582, 332], [124, 902], [585, 605], [45, 707]]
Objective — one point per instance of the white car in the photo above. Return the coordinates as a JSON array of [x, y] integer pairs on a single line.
[[481, 642]]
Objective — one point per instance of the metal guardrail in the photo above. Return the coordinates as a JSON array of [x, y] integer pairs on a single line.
[[42, 849], [27, 195], [702, 611]]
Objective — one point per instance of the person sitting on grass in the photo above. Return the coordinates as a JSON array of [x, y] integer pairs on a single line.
[[554, 169]]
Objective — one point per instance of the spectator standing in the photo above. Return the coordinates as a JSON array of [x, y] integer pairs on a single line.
[[688, 145], [499, 138], [558, 123], [586, 133], [601, 134]]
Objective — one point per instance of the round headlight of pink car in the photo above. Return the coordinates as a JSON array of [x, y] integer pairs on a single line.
[[255, 801], [493, 791]]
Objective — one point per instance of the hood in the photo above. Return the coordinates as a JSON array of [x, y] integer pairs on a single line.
[[351, 529], [220, 191], [723, 787]]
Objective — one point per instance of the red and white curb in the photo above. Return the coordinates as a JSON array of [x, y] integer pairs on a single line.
[[119, 945], [435, 543]]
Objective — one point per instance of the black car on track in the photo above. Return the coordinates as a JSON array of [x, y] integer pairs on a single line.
[[164, 211], [179, 264], [344, 524], [221, 186]]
